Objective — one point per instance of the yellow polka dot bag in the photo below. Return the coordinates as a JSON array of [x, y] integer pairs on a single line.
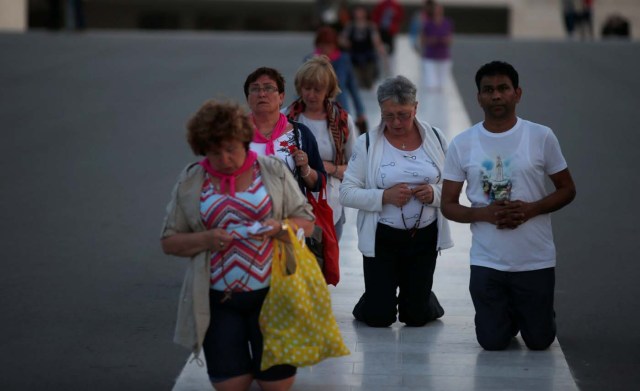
[[296, 318]]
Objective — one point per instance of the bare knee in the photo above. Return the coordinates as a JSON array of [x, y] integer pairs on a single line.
[[242, 382], [277, 385]]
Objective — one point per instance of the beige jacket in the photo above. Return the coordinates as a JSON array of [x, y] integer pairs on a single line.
[[183, 215]]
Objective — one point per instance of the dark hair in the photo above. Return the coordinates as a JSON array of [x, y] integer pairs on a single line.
[[429, 5], [217, 121], [362, 7], [326, 34], [270, 72], [495, 68]]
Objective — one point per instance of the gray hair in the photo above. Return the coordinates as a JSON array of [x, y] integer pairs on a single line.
[[400, 89]]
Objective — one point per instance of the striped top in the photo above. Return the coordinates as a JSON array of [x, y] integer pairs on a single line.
[[245, 265]]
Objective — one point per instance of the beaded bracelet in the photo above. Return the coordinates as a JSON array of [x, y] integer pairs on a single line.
[[307, 174]]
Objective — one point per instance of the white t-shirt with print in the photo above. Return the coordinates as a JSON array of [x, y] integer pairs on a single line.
[[512, 165]]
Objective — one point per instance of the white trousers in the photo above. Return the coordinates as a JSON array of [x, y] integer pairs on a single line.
[[435, 73]]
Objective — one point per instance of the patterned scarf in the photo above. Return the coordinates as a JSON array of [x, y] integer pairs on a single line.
[[230, 179], [337, 123], [278, 130]]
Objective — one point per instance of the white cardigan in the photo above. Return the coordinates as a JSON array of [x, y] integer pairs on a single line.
[[359, 191]]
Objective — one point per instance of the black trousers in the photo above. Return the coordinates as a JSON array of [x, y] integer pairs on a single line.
[[388, 39], [508, 302], [403, 262]]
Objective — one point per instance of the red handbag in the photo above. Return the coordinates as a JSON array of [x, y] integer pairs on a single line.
[[323, 243]]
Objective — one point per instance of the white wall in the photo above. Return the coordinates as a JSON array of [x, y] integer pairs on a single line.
[[13, 15]]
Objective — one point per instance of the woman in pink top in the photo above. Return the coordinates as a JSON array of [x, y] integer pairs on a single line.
[[225, 213]]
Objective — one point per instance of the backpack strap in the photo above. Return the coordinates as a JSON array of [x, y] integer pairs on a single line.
[[367, 141], [437, 135]]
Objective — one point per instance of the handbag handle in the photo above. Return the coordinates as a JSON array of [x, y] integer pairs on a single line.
[[322, 194], [298, 235], [284, 263]]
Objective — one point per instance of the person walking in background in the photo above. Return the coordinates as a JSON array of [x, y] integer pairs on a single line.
[[616, 26], [326, 43], [585, 20], [504, 161], [436, 38], [325, 13], [54, 20], [394, 180], [417, 24], [213, 204], [75, 15], [275, 135], [344, 15], [569, 16], [335, 132], [388, 16], [67, 13], [361, 39]]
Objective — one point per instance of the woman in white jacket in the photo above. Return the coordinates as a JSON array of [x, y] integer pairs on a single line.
[[394, 179]]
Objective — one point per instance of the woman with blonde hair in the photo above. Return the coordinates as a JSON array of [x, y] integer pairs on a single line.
[[335, 132]]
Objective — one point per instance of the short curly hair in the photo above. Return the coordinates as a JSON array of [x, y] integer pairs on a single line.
[[216, 121]]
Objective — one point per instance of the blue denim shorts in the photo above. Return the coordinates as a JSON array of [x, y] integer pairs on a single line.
[[233, 343]]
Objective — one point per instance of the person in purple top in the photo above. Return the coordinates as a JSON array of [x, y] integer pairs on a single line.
[[436, 37]]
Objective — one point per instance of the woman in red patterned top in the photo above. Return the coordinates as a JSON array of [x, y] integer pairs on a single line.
[[213, 218]]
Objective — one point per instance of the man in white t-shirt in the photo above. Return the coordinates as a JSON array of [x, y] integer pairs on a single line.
[[505, 160]]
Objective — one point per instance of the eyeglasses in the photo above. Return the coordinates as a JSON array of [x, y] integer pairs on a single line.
[[268, 89], [401, 116]]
